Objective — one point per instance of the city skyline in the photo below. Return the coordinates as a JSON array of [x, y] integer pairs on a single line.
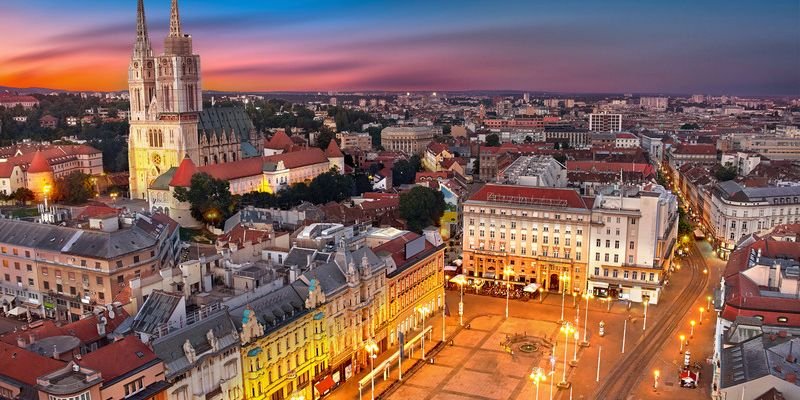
[[744, 48]]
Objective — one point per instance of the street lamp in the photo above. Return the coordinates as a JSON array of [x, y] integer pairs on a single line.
[[587, 296], [708, 301], [541, 294], [537, 376], [423, 310], [507, 272], [371, 347], [646, 300], [691, 334], [564, 278], [567, 330], [460, 280], [656, 375], [574, 361], [702, 310], [682, 338], [46, 189]]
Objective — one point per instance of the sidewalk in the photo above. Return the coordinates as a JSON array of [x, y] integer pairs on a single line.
[[349, 389]]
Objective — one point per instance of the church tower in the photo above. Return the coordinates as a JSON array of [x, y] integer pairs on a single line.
[[166, 100]]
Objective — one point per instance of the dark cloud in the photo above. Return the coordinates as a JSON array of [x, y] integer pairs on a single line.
[[55, 53]]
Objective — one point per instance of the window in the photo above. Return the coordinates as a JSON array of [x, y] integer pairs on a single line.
[[598, 243], [608, 243], [606, 257], [597, 256], [634, 275], [605, 271], [134, 387], [625, 274], [121, 279], [630, 259], [615, 274], [616, 244], [616, 258], [596, 271], [631, 245], [46, 285], [652, 276]]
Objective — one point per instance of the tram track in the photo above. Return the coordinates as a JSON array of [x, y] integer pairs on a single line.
[[622, 379]]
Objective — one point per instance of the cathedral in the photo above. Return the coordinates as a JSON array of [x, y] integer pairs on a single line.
[[167, 119]]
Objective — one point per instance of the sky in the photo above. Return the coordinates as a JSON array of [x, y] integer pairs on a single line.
[[709, 47]]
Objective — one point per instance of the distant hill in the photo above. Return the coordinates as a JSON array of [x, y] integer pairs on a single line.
[[30, 90]]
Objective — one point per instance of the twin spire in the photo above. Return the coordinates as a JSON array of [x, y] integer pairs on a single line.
[[142, 46]]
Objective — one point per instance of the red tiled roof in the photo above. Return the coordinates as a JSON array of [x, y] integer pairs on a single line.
[[25, 366], [254, 166], [279, 141], [333, 150], [532, 195], [427, 176], [92, 211], [84, 329], [625, 135], [699, 149], [183, 175], [118, 358], [39, 163], [397, 247], [8, 99], [437, 148]]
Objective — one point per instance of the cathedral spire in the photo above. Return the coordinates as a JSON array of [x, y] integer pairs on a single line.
[[174, 21], [142, 47]]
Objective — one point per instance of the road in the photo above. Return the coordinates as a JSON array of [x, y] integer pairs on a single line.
[[623, 378]]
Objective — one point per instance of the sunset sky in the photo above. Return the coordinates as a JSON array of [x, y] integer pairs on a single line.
[[713, 47]]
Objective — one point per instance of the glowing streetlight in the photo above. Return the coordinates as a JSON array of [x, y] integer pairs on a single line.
[[567, 330], [460, 280], [541, 295], [564, 279], [656, 375], [371, 347], [507, 272], [538, 376], [574, 361], [691, 334], [708, 301], [702, 310], [586, 296], [682, 338], [646, 301], [46, 189]]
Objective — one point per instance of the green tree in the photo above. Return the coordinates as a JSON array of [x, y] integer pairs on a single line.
[[561, 158], [324, 138], [362, 183], [557, 146], [210, 199], [405, 171], [690, 126], [75, 188], [492, 140], [725, 173], [421, 207], [23, 195]]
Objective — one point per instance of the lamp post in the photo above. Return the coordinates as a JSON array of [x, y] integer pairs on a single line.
[[541, 294], [46, 190], [537, 376], [507, 272], [574, 361], [682, 338], [691, 334], [656, 375], [586, 296], [564, 278], [708, 302], [371, 347], [702, 310], [567, 330], [646, 300], [423, 310], [460, 280]]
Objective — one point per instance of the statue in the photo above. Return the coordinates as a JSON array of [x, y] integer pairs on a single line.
[[212, 340], [189, 351]]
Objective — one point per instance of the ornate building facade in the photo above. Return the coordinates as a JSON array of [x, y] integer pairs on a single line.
[[167, 120]]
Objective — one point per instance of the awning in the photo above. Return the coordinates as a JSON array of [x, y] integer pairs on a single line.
[[7, 298], [531, 288], [489, 275], [450, 268], [598, 284], [325, 385], [17, 311]]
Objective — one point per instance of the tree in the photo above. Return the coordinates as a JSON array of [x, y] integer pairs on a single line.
[[421, 207], [23, 195], [362, 183], [528, 139], [403, 172], [557, 146], [725, 173], [690, 126], [324, 138], [331, 186], [492, 140], [476, 166], [210, 199], [75, 188], [561, 158]]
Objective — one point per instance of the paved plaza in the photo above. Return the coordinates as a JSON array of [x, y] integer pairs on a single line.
[[477, 366]]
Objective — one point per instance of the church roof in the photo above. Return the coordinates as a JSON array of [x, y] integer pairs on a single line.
[[279, 141], [333, 150], [39, 163], [222, 120], [183, 176], [163, 180]]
